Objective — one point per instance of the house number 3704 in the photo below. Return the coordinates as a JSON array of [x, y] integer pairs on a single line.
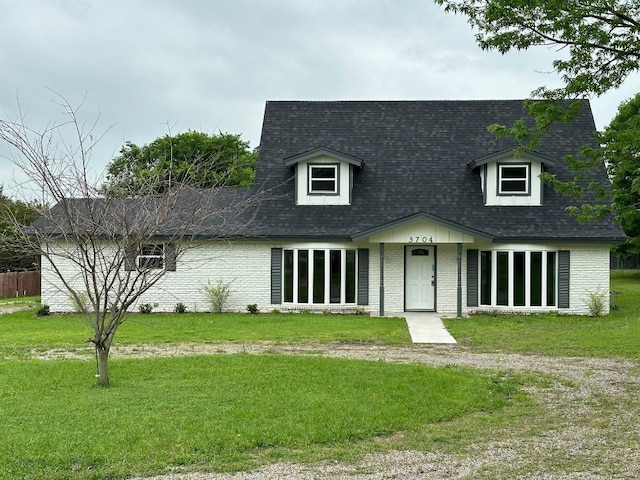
[[420, 239]]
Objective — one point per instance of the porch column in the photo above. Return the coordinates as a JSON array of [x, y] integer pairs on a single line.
[[459, 299], [382, 279]]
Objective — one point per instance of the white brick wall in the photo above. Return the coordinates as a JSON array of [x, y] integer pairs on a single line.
[[589, 275], [447, 278], [247, 265]]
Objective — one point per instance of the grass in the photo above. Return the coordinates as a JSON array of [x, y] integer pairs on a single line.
[[23, 331], [233, 412], [221, 412], [615, 335], [30, 301]]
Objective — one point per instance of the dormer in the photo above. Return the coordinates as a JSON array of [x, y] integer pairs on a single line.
[[323, 176], [512, 177]]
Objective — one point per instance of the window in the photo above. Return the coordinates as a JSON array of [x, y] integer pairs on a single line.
[[151, 257], [319, 276], [513, 179], [323, 179], [518, 279]]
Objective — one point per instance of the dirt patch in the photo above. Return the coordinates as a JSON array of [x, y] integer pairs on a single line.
[[10, 308]]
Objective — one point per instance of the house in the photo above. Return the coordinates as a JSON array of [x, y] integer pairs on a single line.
[[393, 206]]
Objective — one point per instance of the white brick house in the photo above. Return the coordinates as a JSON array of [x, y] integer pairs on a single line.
[[392, 207]]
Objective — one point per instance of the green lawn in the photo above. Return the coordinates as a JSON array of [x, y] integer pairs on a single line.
[[23, 331], [233, 412], [614, 335], [218, 412]]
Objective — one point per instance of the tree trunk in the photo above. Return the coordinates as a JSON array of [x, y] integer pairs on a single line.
[[103, 366]]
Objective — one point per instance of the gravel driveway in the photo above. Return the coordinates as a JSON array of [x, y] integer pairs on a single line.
[[604, 447]]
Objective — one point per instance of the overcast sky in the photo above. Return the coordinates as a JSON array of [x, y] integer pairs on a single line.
[[148, 67]]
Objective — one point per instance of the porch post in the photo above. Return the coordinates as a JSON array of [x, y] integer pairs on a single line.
[[382, 279], [459, 300]]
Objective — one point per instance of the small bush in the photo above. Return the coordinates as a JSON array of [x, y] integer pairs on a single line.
[[218, 295], [253, 308], [180, 308], [145, 308], [596, 302], [79, 302], [43, 311]]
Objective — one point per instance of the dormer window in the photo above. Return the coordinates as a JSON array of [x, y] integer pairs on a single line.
[[323, 179], [511, 177], [323, 176], [514, 179]]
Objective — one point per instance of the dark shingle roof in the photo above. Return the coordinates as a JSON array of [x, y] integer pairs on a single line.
[[416, 156], [413, 159]]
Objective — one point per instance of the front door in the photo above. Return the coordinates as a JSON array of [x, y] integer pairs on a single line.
[[420, 278]]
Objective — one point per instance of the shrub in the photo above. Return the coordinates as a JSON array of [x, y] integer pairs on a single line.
[[180, 308], [43, 311], [145, 308], [79, 301], [218, 295], [253, 308], [596, 301]]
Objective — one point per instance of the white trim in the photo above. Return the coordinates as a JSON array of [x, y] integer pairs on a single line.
[[335, 179], [327, 275], [511, 277]]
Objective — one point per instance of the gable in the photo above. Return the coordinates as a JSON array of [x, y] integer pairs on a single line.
[[419, 229]]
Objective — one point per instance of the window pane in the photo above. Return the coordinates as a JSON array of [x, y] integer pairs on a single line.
[[503, 278], [514, 172], [288, 275], [551, 279], [151, 249], [323, 186], [151, 256], [536, 279], [518, 278], [318, 276], [323, 172], [335, 266], [514, 186], [350, 284], [303, 276], [485, 278]]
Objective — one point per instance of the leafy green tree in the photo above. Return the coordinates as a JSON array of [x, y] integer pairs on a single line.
[[15, 253], [601, 37], [192, 158], [621, 152]]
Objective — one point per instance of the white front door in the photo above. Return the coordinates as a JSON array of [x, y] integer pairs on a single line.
[[420, 278]]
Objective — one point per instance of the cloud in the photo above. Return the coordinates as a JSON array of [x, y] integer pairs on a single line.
[[147, 67]]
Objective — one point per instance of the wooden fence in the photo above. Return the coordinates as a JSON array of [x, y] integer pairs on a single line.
[[19, 284]]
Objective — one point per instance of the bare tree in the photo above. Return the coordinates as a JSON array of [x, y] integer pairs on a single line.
[[106, 252]]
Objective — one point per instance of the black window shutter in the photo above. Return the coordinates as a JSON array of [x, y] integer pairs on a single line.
[[564, 268], [363, 276], [130, 258], [472, 278], [170, 257], [276, 276]]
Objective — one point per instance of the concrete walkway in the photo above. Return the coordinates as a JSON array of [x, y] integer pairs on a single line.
[[426, 327]]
